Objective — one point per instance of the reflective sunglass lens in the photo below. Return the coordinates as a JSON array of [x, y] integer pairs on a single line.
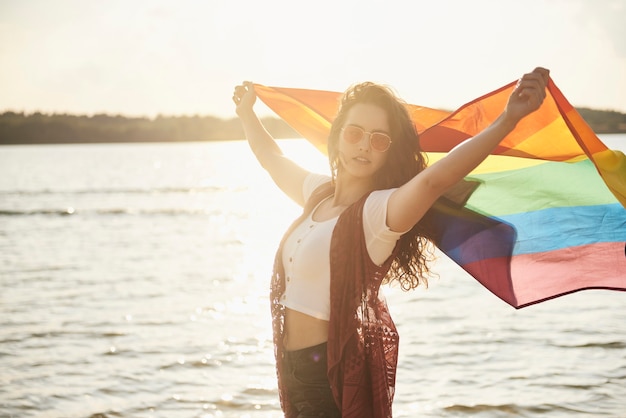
[[380, 142], [352, 134]]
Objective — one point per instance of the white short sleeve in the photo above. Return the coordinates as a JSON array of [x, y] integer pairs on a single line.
[[379, 238], [311, 182]]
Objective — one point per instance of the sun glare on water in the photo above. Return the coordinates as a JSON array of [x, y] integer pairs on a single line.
[[305, 154], [268, 213]]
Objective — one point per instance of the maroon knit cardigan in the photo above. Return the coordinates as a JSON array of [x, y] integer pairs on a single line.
[[362, 338]]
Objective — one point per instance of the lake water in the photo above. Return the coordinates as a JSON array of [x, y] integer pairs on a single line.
[[134, 281]]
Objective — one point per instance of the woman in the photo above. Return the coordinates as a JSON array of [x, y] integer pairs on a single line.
[[335, 343]]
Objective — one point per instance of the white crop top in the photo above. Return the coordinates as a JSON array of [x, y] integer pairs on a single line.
[[306, 252]]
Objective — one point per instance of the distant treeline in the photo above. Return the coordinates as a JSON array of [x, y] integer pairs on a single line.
[[38, 128], [604, 121]]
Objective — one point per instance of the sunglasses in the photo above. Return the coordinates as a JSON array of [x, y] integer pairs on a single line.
[[378, 141]]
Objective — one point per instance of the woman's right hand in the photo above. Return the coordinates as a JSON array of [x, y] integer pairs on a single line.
[[244, 97], [528, 95]]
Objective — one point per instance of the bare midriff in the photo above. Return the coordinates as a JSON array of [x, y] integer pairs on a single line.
[[302, 330]]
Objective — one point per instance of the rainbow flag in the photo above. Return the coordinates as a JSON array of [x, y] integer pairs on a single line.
[[545, 213]]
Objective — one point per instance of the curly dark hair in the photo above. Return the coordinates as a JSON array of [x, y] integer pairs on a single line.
[[406, 160]]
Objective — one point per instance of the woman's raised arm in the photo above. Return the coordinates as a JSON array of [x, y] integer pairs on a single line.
[[410, 202], [287, 175]]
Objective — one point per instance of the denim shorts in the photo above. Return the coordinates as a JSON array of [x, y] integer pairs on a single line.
[[306, 382]]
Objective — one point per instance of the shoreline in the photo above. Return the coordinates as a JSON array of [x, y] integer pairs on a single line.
[[38, 128]]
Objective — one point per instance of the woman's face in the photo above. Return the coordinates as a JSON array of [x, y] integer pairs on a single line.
[[359, 159]]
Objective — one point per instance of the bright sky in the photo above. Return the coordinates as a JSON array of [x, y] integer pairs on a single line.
[[149, 57]]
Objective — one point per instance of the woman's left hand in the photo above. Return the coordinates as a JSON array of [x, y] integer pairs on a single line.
[[528, 94]]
